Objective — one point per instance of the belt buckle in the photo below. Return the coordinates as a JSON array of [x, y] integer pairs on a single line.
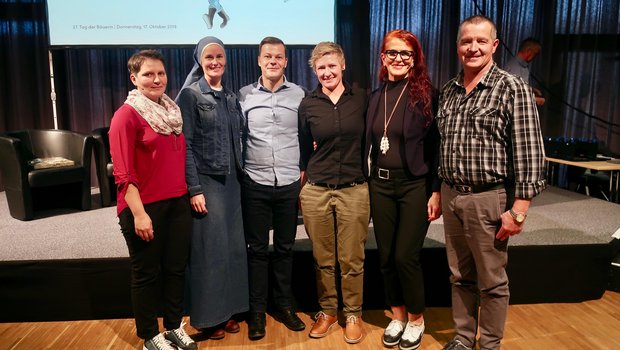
[[463, 188], [383, 174], [332, 186]]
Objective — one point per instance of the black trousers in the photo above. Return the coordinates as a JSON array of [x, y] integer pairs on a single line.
[[265, 207], [400, 219], [158, 266]]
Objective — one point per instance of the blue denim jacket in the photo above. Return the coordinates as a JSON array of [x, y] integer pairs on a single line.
[[208, 125]]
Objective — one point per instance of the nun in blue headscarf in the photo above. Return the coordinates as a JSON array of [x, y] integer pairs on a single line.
[[213, 123]]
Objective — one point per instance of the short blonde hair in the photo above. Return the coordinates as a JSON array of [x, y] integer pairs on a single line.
[[326, 48]]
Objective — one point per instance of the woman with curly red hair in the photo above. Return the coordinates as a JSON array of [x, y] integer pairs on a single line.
[[402, 142]]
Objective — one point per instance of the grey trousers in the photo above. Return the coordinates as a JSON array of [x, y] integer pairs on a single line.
[[477, 263]]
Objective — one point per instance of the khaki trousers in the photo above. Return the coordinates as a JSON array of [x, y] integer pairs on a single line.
[[337, 223], [477, 263]]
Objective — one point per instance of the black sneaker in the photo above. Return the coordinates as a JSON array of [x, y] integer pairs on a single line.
[[180, 339], [456, 345], [256, 325], [158, 342], [290, 319]]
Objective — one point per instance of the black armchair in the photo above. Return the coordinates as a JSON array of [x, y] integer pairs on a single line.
[[103, 163], [28, 188]]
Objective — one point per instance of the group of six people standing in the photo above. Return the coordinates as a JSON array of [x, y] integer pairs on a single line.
[[202, 181]]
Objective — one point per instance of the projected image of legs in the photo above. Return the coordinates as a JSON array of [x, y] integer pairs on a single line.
[[215, 7]]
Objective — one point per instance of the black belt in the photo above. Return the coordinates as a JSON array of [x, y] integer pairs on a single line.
[[337, 186], [392, 174], [477, 188]]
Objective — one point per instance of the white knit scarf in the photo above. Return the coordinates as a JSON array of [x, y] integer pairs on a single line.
[[164, 118]]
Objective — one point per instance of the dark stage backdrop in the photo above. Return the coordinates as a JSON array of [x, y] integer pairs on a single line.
[[91, 83], [578, 69]]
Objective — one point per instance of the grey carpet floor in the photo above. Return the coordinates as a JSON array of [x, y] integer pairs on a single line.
[[556, 217]]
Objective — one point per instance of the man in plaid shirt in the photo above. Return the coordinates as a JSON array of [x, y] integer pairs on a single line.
[[492, 165]]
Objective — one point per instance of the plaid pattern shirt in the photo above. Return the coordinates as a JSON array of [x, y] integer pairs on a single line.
[[491, 134]]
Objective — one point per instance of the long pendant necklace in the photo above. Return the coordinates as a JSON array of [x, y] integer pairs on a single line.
[[384, 146]]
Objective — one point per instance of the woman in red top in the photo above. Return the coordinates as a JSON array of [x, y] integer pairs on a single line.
[[148, 153]]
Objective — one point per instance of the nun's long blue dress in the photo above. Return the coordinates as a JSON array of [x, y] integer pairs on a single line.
[[217, 273]]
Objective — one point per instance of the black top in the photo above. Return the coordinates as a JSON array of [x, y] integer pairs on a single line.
[[395, 156], [338, 130], [420, 140]]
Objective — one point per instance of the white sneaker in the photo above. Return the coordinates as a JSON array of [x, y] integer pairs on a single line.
[[412, 336], [393, 332]]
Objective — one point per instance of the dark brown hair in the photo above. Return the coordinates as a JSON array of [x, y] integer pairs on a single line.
[[271, 40], [137, 59]]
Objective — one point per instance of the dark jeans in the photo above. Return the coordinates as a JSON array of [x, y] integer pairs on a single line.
[[158, 266], [400, 219], [264, 207]]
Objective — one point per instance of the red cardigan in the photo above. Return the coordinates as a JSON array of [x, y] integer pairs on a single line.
[[154, 163]]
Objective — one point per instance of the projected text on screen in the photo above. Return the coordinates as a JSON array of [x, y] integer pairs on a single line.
[[184, 22]]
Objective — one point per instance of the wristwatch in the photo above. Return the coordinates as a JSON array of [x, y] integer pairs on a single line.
[[518, 217]]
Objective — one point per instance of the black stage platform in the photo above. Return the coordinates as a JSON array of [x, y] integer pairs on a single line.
[[69, 265]]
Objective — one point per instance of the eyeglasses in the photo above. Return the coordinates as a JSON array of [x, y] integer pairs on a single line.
[[404, 55]]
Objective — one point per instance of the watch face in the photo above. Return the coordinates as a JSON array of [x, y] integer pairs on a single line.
[[520, 218]]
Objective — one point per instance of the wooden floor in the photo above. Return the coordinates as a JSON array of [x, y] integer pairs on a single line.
[[589, 325]]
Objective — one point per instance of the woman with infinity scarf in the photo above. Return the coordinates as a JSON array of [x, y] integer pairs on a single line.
[[148, 152]]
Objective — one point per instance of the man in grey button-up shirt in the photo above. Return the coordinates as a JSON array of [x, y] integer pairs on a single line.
[[520, 64], [270, 186]]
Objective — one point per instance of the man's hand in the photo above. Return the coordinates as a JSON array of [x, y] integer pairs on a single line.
[[509, 227], [538, 96], [540, 101]]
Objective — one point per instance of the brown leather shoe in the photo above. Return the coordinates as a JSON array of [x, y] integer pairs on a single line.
[[353, 332], [214, 333], [232, 326], [323, 324]]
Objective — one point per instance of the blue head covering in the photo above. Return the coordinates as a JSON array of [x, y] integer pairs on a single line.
[[196, 73]]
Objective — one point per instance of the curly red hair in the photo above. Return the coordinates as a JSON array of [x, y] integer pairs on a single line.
[[419, 82]]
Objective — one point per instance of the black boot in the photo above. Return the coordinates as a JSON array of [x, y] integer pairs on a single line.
[[290, 319], [256, 325]]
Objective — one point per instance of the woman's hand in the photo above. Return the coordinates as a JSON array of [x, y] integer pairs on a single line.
[[141, 220], [144, 226], [434, 206], [199, 203]]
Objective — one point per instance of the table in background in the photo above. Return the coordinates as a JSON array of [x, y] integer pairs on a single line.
[[598, 165]]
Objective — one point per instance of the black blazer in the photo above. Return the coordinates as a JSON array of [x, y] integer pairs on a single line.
[[421, 141]]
